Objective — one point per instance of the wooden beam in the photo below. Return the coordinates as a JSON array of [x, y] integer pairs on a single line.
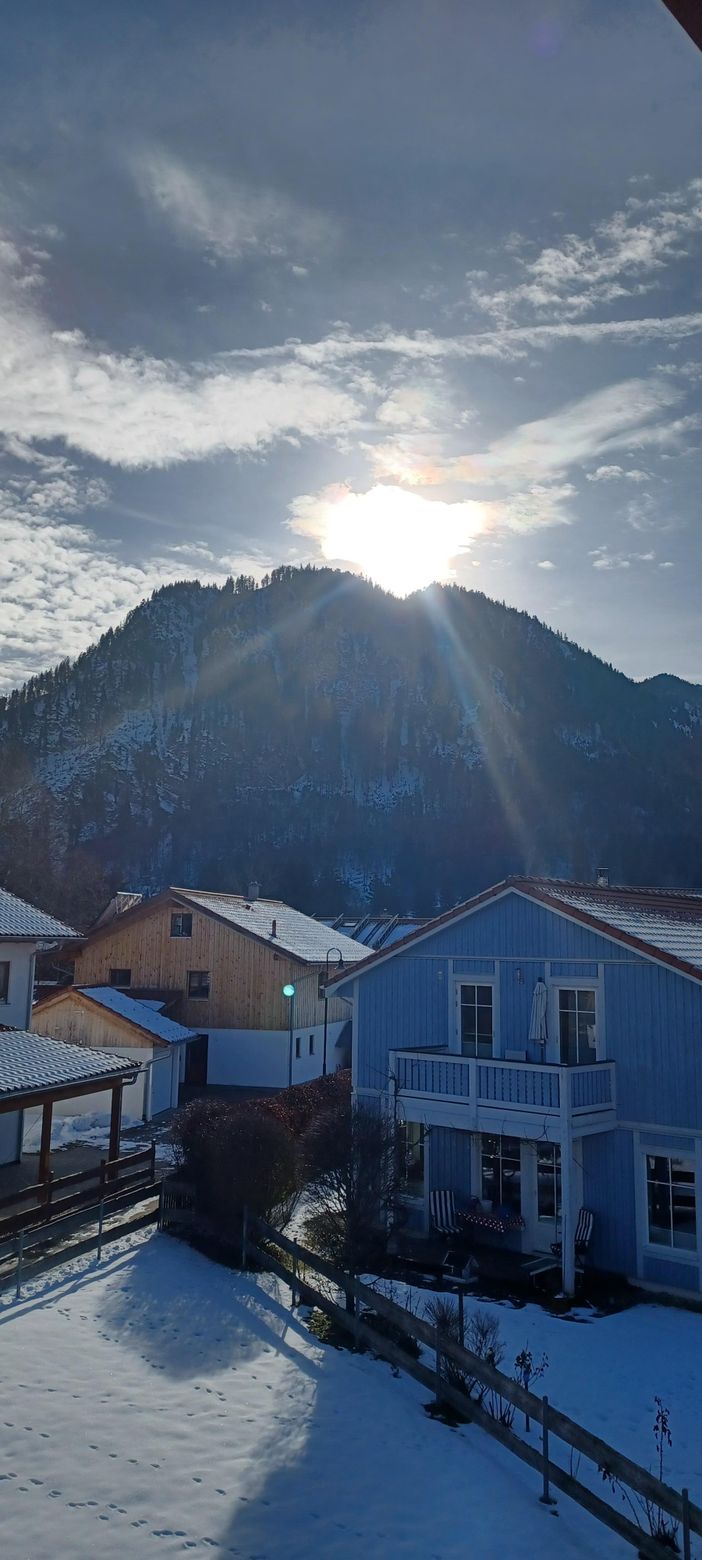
[[115, 1122], [689, 14], [65, 1092], [45, 1149]]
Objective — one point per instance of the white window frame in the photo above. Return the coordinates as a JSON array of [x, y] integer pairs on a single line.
[[682, 1254], [411, 1199], [557, 983], [470, 979]]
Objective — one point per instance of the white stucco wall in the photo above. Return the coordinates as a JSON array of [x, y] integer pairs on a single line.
[[10, 1136], [16, 1012], [259, 1058], [98, 1104]]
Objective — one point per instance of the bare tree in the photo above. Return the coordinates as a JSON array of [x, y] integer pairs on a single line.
[[352, 1167]]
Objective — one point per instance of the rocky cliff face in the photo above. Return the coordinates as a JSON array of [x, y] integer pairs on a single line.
[[344, 748]]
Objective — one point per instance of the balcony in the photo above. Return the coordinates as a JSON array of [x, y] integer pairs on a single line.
[[506, 1097]]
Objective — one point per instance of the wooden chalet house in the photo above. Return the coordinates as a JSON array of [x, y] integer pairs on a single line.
[[541, 1046], [39, 1072], [220, 964]]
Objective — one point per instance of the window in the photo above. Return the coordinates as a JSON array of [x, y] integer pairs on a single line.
[[476, 1020], [671, 1202], [297, 1047], [548, 1181], [412, 1135], [4, 981], [181, 925], [311, 1045], [198, 983], [501, 1165], [576, 1025], [120, 977]]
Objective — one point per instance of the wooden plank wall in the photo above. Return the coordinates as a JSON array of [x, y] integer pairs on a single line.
[[246, 976], [70, 1018]]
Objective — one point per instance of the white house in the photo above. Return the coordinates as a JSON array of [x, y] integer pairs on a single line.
[[23, 930], [105, 1018]]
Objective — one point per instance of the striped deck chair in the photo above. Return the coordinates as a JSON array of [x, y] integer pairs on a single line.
[[443, 1212], [583, 1235]]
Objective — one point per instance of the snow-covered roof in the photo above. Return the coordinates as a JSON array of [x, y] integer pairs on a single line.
[[665, 923], [278, 924], [145, 1015], [661, 920], [30, 1063], [20, 920]]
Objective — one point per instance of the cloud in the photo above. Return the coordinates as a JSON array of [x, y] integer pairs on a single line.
[[505, 345], [134, 410], [545, 563], [605, 474], [620, 415], [62, 587], [621, 259], [229, 220]]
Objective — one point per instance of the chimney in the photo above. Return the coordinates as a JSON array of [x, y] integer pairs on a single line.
[[274, 929], [602, 877], [254, 891]]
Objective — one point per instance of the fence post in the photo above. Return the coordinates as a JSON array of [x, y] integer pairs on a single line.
[[437, 1345], [356, 1314], [161, 1200], [244, 1233], [461, 1319], [100, 1223], [546, 1498], [20, 1263], [294, 1294], [687, 1550]]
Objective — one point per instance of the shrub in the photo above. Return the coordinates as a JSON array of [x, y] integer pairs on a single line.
[[237, 1158], [351, 1166]]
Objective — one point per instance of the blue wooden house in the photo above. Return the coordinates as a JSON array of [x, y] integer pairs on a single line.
[[541, 1046]]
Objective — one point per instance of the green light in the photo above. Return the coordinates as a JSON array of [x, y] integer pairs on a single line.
[[289, 990]]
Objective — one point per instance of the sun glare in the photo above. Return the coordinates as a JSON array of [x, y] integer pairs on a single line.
[[399, 539]]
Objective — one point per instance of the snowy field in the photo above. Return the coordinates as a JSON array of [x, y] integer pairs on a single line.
[[160, 1405]]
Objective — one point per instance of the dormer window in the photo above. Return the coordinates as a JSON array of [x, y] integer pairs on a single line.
[[4, 981]]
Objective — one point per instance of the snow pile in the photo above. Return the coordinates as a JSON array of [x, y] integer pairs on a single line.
[[162, 1405]]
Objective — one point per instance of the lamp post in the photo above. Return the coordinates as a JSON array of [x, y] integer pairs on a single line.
[[289, 992], [339, 966]]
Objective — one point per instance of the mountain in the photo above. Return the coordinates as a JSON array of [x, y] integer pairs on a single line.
[[343, 747]]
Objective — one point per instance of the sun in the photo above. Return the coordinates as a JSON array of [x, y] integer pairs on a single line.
[[398, 539]]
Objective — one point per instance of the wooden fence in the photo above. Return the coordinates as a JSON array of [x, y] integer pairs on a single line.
[[48, 1200], [257, 1240]]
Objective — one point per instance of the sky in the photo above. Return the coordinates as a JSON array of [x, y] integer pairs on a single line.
[[408, 286]]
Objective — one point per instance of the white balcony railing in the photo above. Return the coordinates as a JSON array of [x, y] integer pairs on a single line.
[[528, 1087]]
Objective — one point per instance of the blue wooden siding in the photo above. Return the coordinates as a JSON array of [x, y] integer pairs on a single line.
[[449, 1159], [671, 1275], [652, 1016], [652, 1021], [607, 1160]]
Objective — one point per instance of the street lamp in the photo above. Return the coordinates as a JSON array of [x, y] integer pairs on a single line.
[[289, 992], [340, 966]]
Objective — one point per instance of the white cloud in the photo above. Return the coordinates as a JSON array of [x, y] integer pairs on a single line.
[[605, 474], [134, 410], [228, 220], [622, 259], [545, 563], [62, 587]]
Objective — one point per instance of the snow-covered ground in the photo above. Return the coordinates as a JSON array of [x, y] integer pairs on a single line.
[[161, 1404]]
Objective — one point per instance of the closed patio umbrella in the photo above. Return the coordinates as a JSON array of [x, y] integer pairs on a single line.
[[539, 1004]]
